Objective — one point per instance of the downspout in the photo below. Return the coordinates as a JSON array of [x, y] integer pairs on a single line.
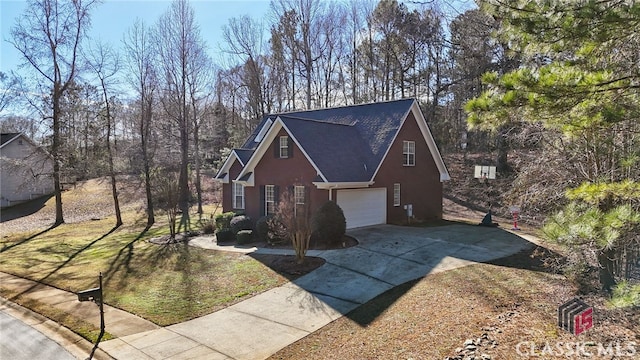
[[330, 192]]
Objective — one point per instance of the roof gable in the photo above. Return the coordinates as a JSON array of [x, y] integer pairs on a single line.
[[241, 155], [6, 138], [265, 144], [344, 144], [428, 138]]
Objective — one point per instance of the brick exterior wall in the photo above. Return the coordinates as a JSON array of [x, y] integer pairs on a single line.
[[419, 185]]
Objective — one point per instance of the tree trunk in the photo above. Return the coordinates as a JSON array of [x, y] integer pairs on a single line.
[[144, 132], [502, 146], [606, 271], [55, 152], [183, 182], [114, 188], [196, 145]]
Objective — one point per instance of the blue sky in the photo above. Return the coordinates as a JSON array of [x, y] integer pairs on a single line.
[[112, 18]]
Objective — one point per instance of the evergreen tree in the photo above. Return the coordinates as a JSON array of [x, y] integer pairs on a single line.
[[579, 77]]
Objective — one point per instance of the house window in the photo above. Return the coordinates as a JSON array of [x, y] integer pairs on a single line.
[[238, 196], [284, 147], [298, 197], [409, 153], [270, 199], [396, 194]]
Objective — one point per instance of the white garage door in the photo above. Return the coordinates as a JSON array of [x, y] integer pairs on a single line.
[[363, 207]]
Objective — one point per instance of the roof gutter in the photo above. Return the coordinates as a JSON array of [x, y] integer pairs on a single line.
[[341, 185]]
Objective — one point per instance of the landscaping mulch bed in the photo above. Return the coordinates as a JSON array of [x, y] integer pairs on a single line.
[[287, 265]]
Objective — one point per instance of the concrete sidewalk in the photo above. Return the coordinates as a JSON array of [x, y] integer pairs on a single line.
[[260, 326], [117, 322]]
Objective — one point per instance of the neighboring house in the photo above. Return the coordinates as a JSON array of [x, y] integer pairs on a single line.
[[26, 170], [377, 161]]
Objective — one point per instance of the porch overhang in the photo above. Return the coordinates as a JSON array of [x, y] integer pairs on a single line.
[[222, 178], [246, 180]]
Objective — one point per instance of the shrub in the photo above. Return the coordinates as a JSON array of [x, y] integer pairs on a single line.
[[269, 229], [225, 235], [328, 224], [241, 222], [262, 228], [207, 226], [223, 221], [244, 237]]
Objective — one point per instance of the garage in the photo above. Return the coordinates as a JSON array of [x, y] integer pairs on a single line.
[[363, 207]]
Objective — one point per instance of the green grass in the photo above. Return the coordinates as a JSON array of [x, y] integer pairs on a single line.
[[165, 284]]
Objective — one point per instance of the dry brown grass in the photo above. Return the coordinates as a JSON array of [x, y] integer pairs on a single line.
[[432, 317]]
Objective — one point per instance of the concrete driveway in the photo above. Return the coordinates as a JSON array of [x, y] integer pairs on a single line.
[[388, 255], [256, 328]]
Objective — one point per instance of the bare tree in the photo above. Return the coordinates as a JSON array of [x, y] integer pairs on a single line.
[[9, 89], [200, 75], [284, 51], [302, 22], [179, 42], [105, 64], [48, 36], [294, 214], [243, 37], [140, 55]]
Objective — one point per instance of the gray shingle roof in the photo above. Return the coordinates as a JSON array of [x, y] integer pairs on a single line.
[[244, 154], [346, 143], [5, 137], [337, 150]]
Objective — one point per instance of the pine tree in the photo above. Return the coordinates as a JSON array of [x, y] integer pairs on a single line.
[[580, 78]]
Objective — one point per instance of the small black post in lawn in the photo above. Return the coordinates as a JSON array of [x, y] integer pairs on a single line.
[[95, 295]]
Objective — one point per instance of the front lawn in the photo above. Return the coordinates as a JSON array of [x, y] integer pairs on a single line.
[[162, 283]]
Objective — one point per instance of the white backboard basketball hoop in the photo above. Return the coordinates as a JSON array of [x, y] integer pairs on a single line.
[[484, 172], [515, 209]]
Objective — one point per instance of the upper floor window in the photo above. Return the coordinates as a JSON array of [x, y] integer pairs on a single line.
[[284, 147], [409, 153]]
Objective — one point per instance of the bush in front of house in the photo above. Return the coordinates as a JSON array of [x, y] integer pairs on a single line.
[[225, 236], [241, 222], [223, 221], [328, 224], [207, 225], [269, 229], [262, 228], [244, 237]]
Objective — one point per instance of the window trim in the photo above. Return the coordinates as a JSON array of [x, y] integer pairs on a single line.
[[284, 147], [296, 196], [235, 188], [396, 194], [269, 190], [408, 153]]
